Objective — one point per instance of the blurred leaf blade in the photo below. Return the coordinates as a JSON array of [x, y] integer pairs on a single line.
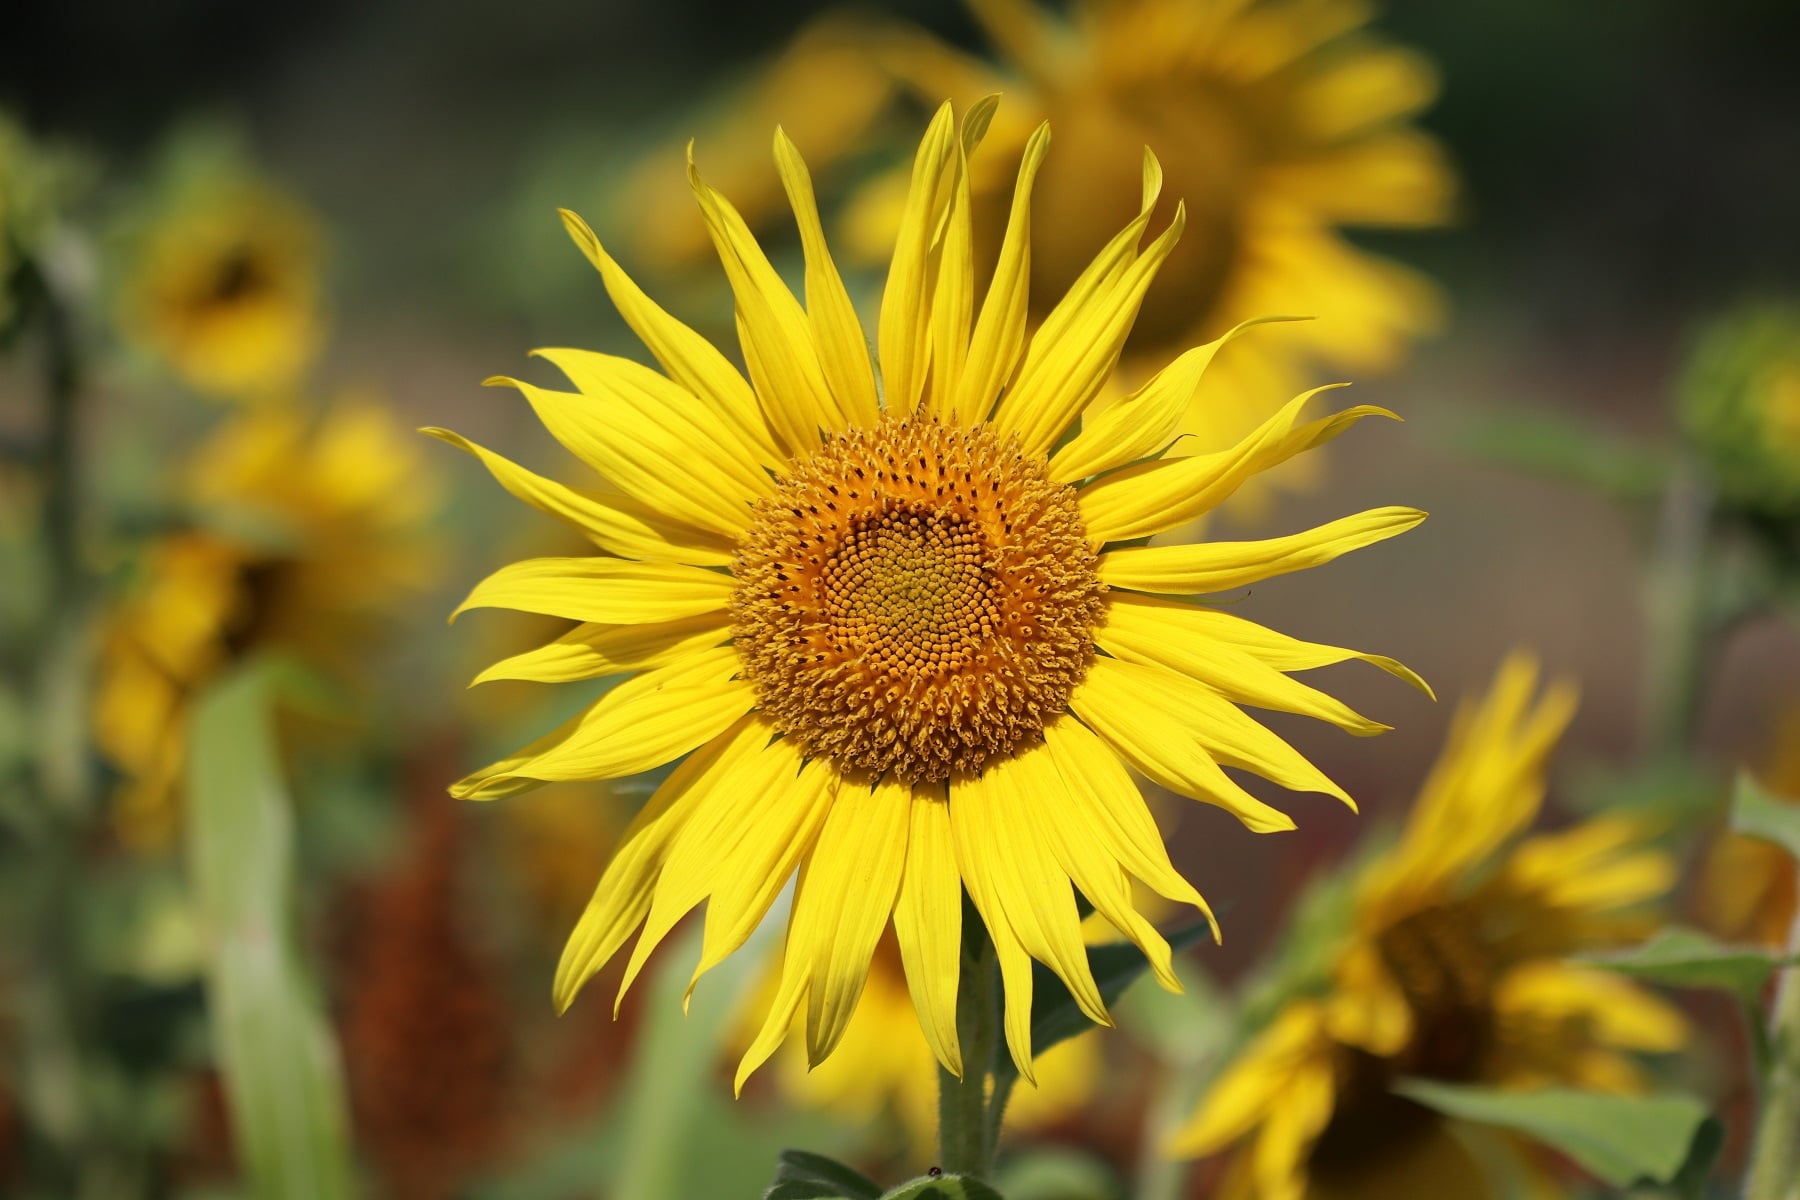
[[1682, 957], [943, 1187], [1557, 446], [283, 1080], [1622, 1140], [1759, 813]]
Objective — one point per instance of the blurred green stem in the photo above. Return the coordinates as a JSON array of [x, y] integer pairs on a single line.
[[968, 1114], [1775, 1160], [1177, 1090], [1678, 620]]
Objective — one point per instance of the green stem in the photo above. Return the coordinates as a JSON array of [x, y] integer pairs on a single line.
[[1775, 1161], [968, 1112]]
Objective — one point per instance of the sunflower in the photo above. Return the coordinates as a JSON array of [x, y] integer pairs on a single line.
[[313, 535], [889, 632], [225, 288], [882, 1065], [1454, 968]]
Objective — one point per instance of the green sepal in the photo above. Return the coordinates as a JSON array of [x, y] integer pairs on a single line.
[[1622, 1140], [803, 1175]]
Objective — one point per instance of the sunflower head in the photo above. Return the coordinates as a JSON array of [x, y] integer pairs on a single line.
[[1739, 399], [307, 538], [225, 288], [888, 633], [1452, 966]]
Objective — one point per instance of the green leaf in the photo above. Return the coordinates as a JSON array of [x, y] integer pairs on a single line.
[[1759, 813], [803, 1189], [1689, 958], [1690, 1182], [283, 1081], [803, 1167], [1058, 1173], [943, 1187], [1624, 1140], [1055, 1017]]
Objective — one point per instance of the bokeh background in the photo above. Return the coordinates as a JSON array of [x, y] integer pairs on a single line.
[[1627, 171]]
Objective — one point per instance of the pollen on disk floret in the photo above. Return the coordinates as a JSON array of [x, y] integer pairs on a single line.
[[916, 597]]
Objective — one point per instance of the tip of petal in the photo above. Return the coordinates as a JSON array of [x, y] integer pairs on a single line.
[[499, 381]]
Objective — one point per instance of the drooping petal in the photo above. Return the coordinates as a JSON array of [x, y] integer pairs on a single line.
[[622, 899], [1220, 566], [976, 865], [1114, 811], [852, 881], [1277, 650], [590, 651], [1162, 745], [843, 349], [1150, 630], [928, 922], [607, 591], [618, 528]]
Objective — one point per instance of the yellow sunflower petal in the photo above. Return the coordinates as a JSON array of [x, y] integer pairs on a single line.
[[1147, 421], [1114, 811], [590, 651], [928, 922], [778, 343], [998, 342], [1221, 566], [690, 359], [1162, 745], [752, 872], [953, 296], [621, 901], [1154, 497], [637, 455], [1066, 834], [611, 526], [1074, 352], [758, 785], [691, 428], [1146, 629], [644, 722], [1277, 650], [852, 880], [843, 350], [905, 327], [608, 591], [1603, 1006], [1287, 1136], [975, 863]]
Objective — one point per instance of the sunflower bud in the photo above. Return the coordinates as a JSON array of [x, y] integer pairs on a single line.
[[1739, 404]]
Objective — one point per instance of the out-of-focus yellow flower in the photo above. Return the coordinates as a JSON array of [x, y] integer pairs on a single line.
[[825, 90], [884, 1065], [865, 621], [557, 842], [1747, 887], [314, 535], [1740, 405], [1454, 968], [225, 287]]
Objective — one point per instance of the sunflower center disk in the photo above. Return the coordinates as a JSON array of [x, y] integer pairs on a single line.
[[916, 598]]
